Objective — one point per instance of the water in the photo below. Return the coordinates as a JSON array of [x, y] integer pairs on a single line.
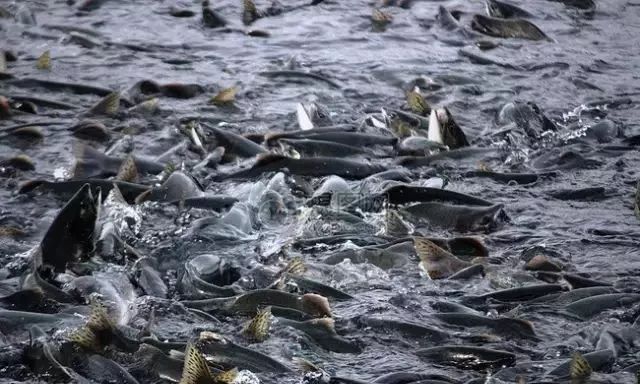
[[588, 73]]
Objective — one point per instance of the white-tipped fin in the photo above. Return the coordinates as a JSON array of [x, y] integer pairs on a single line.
[[304, 121]]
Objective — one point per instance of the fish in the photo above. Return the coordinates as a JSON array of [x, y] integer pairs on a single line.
[[250, 12], [91, 163], [507, 28], [467, 357], [225, 96], [44, 61], [593, 305], [321, 148], [226, 352], [408, 329], [516, 294], [312, 166], [99, 331], [459, 217], [250, 302], [417, 103], [130, 191], [323, 333], [233, 143], [500, 325]]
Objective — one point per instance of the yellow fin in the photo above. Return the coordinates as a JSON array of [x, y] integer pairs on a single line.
[[85, 338], [579, 367], [381, 18], [305, 365], [225, 96], [249, 12], [438, 263], [394, 225], [196, 370], [128, 170], [227, 377], [44, 61], [107, 106], [295, 267], [99, 319], [258, 327], [417, 103]]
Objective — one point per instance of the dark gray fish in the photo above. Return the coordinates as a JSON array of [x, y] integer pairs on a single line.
[[323, 333], [299, 75], [177, 187], [310, 286], [404, 194], [469, 272], [584, 5], [312, 166], [516, 294], [248, 303], [71, 234], [81, 89], [152, 360], [11, 320], [593, 305], [520, 178], [226, 352], [272, 137], [589, 194], [464, 153], [577, 281], [511, 28], [527, 117], [407, 329], [102, 369], [312, 115], [467, 357], [233, 143], [67, 188], [500, 325], [148, 278], [598, 360], [91, 130], [311, 148], [505, 10], [458, 217], [354, 138]]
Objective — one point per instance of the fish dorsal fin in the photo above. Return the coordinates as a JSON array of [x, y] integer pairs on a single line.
[[579, 367], [249, 12], [99, 319], [394, 225], [417, 103], [85, 338], [429, 251], [44, 61], [437, 262], [227, 377], [107, 106], [195, 370], [295, 267], [128, 170], [258, 327], [115, 195], [268, 158], [305, 365]]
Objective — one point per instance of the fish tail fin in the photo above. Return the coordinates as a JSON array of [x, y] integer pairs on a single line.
[[579, 367], [195, 370], [227, 377], [128, 170], [258, 327]]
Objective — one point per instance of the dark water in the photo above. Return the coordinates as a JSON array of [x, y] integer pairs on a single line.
[[588, 73]]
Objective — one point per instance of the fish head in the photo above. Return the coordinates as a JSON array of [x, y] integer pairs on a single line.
[[486, 25]]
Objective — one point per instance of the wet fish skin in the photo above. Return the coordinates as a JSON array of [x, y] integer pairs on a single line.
[[227, 352], [323, 333], [467, 356], [458, 217], [505, 10], [516, 294], [507, 28], [500, 325], [593, 305]]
